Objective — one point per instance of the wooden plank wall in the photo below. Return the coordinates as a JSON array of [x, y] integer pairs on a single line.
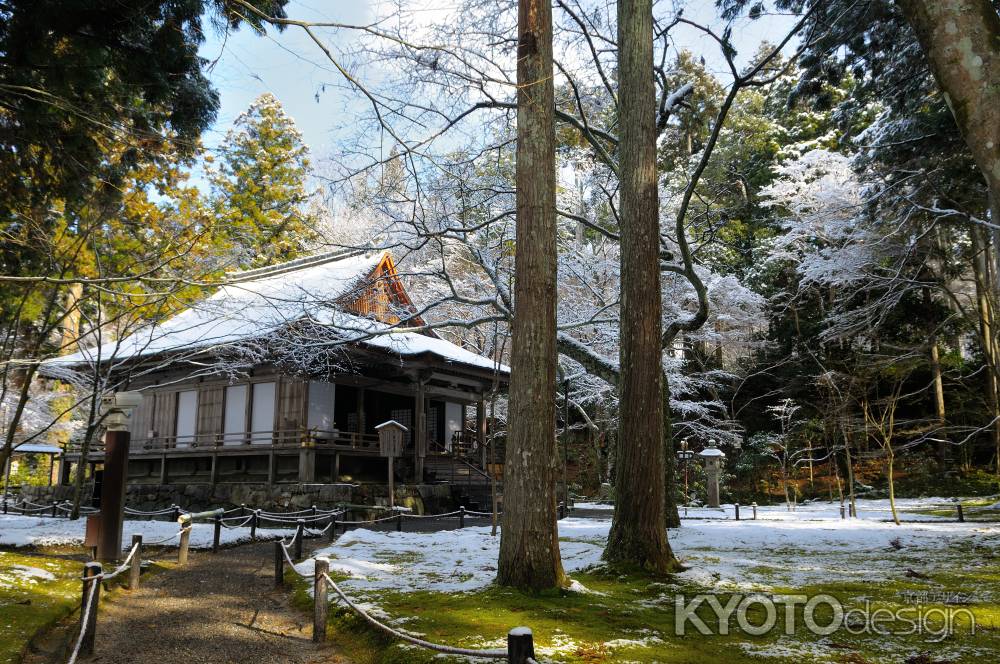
[[142, 419], [291, 411], [210, 404], [165, 414]]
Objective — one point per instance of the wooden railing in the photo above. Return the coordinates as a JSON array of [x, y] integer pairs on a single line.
[[290, 438]]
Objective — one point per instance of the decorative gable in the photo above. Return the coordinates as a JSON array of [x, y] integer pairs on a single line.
[[380, 296]]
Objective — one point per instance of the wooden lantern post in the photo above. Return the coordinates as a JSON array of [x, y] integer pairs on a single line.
[[390, 444], [116, 408]]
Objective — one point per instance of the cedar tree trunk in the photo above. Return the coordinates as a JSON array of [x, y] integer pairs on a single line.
[[638, 533], [529, 538], [961, 39]]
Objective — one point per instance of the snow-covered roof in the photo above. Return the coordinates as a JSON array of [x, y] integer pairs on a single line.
[[712, 452], [37, 448], [255, 303], [393, 423]]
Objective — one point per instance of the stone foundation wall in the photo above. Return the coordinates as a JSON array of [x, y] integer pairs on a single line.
[[422, 498]]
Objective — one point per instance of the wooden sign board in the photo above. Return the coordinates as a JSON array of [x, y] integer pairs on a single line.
[[390, 438], [390, 444], [390, 447], [92, 535]]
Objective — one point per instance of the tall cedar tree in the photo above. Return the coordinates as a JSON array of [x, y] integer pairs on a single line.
[[638, 533], [259, 193], [529, 540]]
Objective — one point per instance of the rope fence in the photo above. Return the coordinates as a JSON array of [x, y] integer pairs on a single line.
[[520, 645], [12, 504], [520, 648], [93, 577], [738, 512], [520, 641]]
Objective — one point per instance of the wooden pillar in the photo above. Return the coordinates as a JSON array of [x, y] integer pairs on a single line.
[[214, 476], [307, 464], [116, 448], [420, 435], [336, 467], [361, 410], [279, 564], [88, 619], [272, 468], [481, 428], [64, 468], [392, 483], [135, 569], [520, 646], [163, 469], [321, 602]]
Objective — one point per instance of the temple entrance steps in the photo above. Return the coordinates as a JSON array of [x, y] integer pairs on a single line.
[[470, 485]]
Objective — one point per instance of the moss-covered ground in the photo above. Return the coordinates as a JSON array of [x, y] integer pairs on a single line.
[[40, 588], [631, 618], [36, 591]]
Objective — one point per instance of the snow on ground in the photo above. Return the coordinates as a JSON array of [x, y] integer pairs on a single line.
[[810, 545], [909, 509], [445, 561], [17, 530], [593, 506], [759, 555], [29, 571]]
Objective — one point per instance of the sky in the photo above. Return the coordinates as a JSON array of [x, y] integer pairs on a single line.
[[243, 65]]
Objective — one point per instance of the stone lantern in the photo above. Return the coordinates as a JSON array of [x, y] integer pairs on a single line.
[[713, 457]]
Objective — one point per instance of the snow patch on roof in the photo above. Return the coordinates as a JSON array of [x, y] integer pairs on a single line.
[[37, 448], [390, 423], [248, 308]]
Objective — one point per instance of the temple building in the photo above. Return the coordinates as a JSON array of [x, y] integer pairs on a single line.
[[283, 374]]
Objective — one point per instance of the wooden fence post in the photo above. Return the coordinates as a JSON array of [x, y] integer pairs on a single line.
[[243, 509], [321, 602], [299, 535], [754, 506], [737, 508], [333, 527], [279, 564], [176, 515], [217, 535], [88, 621], [843, 513], [136, 567], [399, 522], [182, 548], [461, 516], [520, 645], [54, 507], [253, 524], [961, 514]]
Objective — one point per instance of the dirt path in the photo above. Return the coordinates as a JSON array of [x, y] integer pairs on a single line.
[[219, 608]]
